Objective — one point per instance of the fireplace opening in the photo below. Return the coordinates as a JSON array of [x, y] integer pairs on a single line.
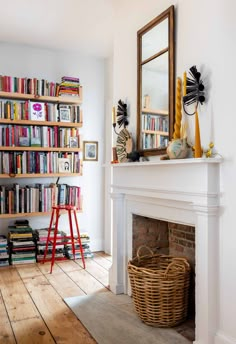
[[172, 239]]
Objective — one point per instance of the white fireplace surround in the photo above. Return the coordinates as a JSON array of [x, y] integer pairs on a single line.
[[181, 191]]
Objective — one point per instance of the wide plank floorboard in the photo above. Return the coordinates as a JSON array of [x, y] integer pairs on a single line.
[[32, 309]]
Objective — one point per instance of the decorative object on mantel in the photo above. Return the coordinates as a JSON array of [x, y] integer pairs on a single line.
[[124, 143], [178, 147], [194, 94]]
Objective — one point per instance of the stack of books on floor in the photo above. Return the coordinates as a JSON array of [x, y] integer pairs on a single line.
[[41, 238], [69, 86], [85, 240], [4, 255], [21, 242]]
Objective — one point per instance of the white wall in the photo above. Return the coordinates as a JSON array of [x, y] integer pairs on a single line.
[[24, 61], [205, 37]]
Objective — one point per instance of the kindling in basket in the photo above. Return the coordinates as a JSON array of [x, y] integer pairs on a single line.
[[160, 287]]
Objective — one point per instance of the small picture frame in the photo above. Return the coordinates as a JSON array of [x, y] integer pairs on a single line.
[[64, 113], [74, 141], [64, 165], [90, 150]]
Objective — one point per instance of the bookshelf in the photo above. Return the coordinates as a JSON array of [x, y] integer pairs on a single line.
[[155, 128], [37, 148]]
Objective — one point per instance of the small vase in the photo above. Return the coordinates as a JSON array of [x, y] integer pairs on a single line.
[[178, 149]]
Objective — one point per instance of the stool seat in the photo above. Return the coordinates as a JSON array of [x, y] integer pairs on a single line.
[[56, 211]]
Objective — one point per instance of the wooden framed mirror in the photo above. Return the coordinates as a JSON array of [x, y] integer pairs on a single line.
[[156, 84]]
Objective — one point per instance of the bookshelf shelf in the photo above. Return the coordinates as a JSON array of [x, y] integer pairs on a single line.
[[41, 149], [39, 175], [155, 112], [41, 123], [60, 99], [48, 213], [163, 133]]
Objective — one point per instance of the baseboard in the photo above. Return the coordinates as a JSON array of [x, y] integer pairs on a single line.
[[221, 338]]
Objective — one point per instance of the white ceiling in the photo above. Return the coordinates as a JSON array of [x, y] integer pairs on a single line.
[[79, 25]]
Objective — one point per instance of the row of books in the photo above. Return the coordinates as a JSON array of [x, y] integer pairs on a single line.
[[16, 198], [39, 136], [25, 245], [156, 123], [150, 141], [41, 87], [39, 162], [29, 110]]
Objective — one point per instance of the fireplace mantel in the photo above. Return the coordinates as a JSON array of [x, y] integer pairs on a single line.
[[185, 191]]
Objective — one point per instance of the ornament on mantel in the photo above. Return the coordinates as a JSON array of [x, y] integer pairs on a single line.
[[193, 93], [178, 147]]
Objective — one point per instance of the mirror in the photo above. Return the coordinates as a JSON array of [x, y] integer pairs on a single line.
[[156, 85]]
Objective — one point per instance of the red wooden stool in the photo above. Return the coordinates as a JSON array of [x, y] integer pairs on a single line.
[[56, 210]]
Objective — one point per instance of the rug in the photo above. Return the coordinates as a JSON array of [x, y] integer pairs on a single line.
[[111, 319]]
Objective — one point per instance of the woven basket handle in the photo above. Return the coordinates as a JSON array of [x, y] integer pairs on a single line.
[[141, 248], [177, 262]]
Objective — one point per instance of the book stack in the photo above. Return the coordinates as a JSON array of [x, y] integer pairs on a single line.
[[4, 256], [22, 245], [69, 86], [85, 240], [41, 238]]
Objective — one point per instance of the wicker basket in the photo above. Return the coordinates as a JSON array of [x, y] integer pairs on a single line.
[[160, 286]]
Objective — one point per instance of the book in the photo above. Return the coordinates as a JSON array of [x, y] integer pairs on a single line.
[[37, 111]]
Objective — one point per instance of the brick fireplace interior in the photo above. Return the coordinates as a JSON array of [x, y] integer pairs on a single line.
[[173, 239]]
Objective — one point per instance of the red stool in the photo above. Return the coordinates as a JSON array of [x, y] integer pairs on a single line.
[[56, 210]]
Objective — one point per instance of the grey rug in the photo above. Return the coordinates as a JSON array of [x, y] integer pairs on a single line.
[[111, 319]]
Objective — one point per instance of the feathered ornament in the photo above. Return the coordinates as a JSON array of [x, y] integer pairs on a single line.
[[122, 115], [194, 90]]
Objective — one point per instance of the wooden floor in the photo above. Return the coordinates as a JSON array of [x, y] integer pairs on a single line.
[[32, 309]]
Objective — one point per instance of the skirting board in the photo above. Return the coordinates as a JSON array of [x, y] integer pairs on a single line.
[[221, 338]]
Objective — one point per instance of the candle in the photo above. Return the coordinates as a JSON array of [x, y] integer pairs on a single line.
[[198, 148], [114, 115], [184, 84], [178, 113]]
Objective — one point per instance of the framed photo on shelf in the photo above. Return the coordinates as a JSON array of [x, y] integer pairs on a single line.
[[64, 165], [74, 142], [90, 149], [64, 113]]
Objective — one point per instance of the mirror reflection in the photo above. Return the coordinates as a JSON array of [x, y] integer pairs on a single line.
[[156, 84]]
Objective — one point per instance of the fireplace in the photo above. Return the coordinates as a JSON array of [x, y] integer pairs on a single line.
[[178, 191]]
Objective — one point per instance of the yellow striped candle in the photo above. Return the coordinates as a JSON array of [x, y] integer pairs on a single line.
[[178, 110]]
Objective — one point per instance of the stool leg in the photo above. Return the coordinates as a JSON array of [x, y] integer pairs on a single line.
[[80, 244], [71, 232], [48, 237], [54, 239]]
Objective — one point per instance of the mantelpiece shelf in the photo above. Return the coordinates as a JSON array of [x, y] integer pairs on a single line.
[[60, 99], [7, 216], [155, 112]]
